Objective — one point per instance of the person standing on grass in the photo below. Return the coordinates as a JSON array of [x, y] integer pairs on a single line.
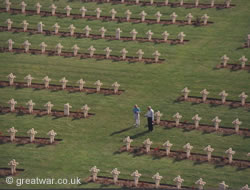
[[136, 111], [150, 117]]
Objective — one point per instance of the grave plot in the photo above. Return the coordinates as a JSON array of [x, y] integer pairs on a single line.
[[10, 171], [173, 20], [181, 155], [214, 101], [144, 184], [41, 112], [205, 128], [31, 139], [233, 66], [136, 175], [202, 127], [95, 36], [53, 87], [127, 183], [7, 172], [83, 55], [26, 140], [181, 3]]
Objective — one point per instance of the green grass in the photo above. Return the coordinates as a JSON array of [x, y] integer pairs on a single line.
[[89, 142]]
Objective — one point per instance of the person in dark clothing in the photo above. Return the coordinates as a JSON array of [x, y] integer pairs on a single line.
[[150, 117]]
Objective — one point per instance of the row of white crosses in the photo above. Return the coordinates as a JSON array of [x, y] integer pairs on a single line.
[[12, 131], [113, 12], [223, 95], [227, 3], [166, 2], [225, 59], [157, 178], [187, 147], [63, 81], [48, 107], [91, 50], [87, 31], [136, 175], [216, 121]]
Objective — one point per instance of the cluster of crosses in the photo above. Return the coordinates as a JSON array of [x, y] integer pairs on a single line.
[[227, 3], [75, 48], [12, 131], [196, 118], [87, 30], [98, 11], [157, 178], [48, 107], [223, 94], [63, 81], [113, 12], [225, 59], [187, 148]]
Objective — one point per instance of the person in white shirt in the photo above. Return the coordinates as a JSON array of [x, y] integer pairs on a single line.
[[150, 117]]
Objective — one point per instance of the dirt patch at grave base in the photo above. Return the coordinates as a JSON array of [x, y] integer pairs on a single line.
[[130, 183], [26, 140], [40, 112], [170, 4], [92, 36], [205, 128], [214, 101], [180, 155], [54, 87], [105, 18], [233, 67], [7, 172], [245, 45], [82, 55]]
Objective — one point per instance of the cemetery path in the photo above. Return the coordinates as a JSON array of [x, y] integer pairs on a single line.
[[205, 128], [107, 18], [40, 112], [26, 140], [92, 36], [198, 158], [83, 55], [214, 101], [53, 87]]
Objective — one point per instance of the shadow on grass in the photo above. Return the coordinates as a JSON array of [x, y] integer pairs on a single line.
[[18, 145], [206, 133], [219, 166], [196, 163], [156, 157], [83, 183], [40, 145], [226, 135], [36, 89], [139, 134], [214, 105], [121, 131], [186, 130], [246, 137], [241, 169], [105, 185]]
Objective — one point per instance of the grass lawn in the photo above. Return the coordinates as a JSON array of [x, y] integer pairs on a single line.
[[95, 141]]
